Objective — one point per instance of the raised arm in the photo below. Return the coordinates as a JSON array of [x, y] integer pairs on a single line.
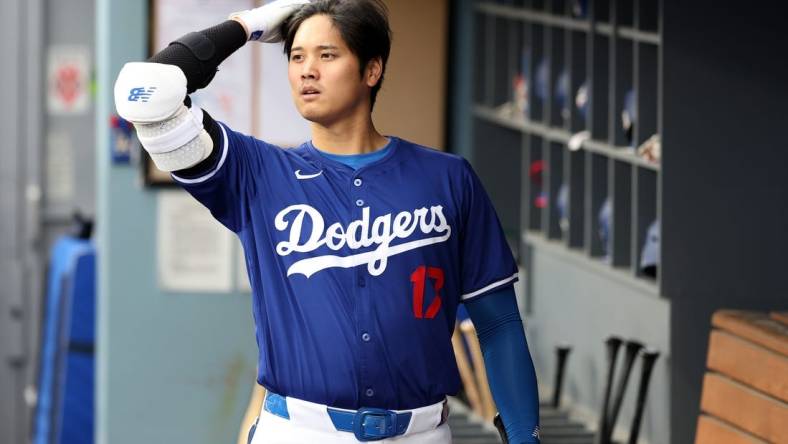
[[153, 95]]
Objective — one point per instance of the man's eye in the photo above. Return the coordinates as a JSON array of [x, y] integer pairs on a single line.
[[296, 57], [328, 56]]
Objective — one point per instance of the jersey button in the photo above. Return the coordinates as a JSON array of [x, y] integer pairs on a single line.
[[369, 392], [361, 281], [357, 182], [366, 337], [359, 203]]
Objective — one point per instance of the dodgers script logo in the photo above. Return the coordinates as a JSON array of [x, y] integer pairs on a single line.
[[358, 234]]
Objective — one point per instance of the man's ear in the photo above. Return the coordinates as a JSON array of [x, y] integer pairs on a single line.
[[373, 72]]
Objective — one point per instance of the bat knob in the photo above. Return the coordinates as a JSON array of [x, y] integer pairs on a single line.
[[650, 355], [562, 350], [498, 422]]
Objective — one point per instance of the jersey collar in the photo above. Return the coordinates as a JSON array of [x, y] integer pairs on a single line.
[[393, 147]]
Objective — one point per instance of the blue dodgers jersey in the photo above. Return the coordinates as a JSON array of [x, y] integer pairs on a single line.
[[357, 274]]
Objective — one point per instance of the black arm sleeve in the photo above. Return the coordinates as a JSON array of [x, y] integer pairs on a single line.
[[198, 55]]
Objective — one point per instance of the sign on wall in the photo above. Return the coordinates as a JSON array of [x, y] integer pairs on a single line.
[[195, 251], [68, 79]]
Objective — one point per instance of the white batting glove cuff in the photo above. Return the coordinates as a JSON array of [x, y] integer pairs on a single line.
[[262, 24], [177, 143]]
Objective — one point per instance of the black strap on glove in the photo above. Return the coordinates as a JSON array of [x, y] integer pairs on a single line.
[[198, 54]]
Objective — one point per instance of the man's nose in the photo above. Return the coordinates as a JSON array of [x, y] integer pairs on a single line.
[[309, 70]]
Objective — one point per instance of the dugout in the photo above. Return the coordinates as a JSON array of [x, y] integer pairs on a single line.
[[706, 77]]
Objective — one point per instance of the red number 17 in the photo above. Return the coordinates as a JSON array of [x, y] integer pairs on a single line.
[[419, 279]]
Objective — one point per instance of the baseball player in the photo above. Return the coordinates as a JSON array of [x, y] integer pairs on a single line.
[[359, 246]]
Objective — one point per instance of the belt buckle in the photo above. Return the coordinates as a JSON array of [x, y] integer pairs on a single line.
[[384, 424]]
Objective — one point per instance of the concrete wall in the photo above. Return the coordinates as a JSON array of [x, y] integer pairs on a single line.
[[580, 302], [724, 181], [21, 246]]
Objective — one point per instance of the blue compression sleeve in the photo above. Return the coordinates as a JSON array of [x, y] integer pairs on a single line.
[[510, 369]]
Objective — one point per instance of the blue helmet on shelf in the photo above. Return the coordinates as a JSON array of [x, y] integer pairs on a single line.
[[562, 206], [542, 78], [649, 257], [605, 216], [562, 93], [582, 99], [629, 115], [580, 8]]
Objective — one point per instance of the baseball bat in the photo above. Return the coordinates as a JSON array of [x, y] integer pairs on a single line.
[[562, 353], [631, 353], [498, 422], [466, 372], [649, 358], [612, 345], [477, 359]]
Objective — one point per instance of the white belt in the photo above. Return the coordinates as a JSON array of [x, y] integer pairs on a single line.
[[321, 417]]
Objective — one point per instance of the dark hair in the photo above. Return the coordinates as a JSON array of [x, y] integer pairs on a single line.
[[363, 25]]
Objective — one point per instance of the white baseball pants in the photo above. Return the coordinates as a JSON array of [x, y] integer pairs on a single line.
[[309, 423]]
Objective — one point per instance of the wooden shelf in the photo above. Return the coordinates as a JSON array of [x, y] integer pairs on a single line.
[[622, 153], [532, 16], [639, 36], [569, 23]]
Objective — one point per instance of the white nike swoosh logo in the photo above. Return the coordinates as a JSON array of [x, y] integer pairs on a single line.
[[307, 176]]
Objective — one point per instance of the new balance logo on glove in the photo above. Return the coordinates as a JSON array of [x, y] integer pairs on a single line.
[[141, 94]]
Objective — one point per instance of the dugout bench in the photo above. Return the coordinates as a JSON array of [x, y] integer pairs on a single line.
[[745, 388]]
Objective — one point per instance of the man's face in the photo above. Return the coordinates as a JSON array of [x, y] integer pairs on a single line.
[[324, 74]]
